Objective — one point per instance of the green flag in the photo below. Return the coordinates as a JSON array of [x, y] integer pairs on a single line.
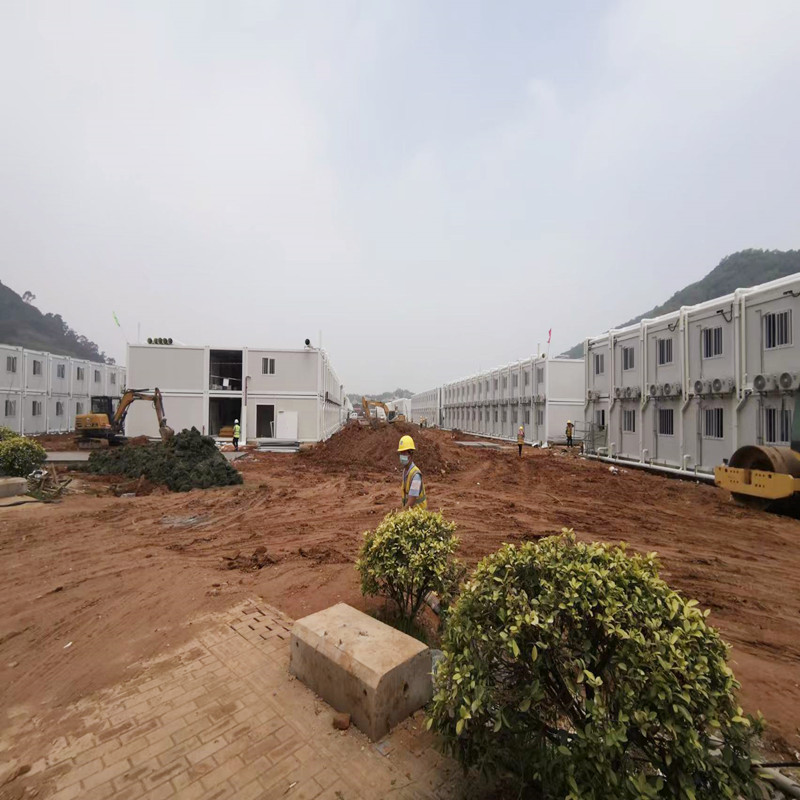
[[114, 314]]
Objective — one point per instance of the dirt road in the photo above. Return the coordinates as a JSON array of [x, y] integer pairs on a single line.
[[120, 578]]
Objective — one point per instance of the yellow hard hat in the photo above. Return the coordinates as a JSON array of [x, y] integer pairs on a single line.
[[406, 443], [569, 422]]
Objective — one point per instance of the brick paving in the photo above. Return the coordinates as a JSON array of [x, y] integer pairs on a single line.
[[223, 718]]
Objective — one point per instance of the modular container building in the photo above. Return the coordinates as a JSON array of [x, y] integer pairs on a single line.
[[287, 395], [42, 392], [541, 394], [685, 390]]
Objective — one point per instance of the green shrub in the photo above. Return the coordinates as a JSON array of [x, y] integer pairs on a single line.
[[407, 556], [20, 456], [575, 668], [7, 433]]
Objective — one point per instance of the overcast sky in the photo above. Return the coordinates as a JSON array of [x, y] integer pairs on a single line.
[[432, 184]]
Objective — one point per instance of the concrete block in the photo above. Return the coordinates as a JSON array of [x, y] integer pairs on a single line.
[[11, 487], [362, 667]]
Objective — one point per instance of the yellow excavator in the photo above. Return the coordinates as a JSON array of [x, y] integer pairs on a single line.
[[103, 426], [391, 416], [765, 476]]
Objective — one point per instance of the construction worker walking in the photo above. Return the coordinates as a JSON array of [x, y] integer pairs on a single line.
[[237, 432], [520, 439], [570, 429], [413, 485]]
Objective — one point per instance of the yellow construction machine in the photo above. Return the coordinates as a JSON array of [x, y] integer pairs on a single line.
[[391, 416], [103, 426], [765, 476]]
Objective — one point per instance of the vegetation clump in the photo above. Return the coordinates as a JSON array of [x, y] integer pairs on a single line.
[[188, 461], [8, 433], [576, 669], [19, 456], [408, 556]]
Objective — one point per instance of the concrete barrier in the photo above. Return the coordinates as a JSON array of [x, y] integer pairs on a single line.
[[11, 487], [362, 667]]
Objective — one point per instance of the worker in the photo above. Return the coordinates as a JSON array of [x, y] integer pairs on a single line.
[[520, 439], [237, 432], [570, 429], [413, 485]]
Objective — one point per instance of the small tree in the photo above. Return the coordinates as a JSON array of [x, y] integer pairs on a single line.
[[20, 456], [7, 433], [575, 667], [408, 556]]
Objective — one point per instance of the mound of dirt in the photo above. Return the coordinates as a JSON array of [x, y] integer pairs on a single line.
[[188, 461], [375, 448]]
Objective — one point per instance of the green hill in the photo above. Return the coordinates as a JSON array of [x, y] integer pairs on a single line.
[[736, 271], [355, 399], [23, 325]]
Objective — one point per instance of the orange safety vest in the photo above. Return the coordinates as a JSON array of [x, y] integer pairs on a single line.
[[520, 438], [422, 500]]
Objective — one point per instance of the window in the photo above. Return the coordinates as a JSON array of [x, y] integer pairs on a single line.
[[36, 408], [599, 363], [600, 417], [11, 363], [37, 367], [629, 421], [79, 407], [79, 373], [495, 384], [514, 381], [539, 374], [267, 366], [777, 329], [505, 381], [97, 376], [664, 350], [113, 378], [627, 358], [61, 370], [11, 408], [527, 378], [487, 387], [712, 342], [495, 415], [777, 425], [540, 416], [59, 409], [713, 423], [514, 415], [666, 425], [527, 416], [504, 415]]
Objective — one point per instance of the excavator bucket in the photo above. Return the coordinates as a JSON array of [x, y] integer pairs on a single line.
[[166, 433]]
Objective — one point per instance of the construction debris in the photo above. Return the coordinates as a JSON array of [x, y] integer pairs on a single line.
[[45, 484], [257, 561]]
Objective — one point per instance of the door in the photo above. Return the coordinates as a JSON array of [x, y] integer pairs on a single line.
[[265, 422]]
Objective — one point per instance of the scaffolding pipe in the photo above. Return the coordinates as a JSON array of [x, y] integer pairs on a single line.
[[682, 473]]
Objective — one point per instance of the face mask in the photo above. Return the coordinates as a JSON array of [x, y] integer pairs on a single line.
[[404, 460]]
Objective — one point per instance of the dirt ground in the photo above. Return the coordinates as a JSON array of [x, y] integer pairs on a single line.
[[92, 585]]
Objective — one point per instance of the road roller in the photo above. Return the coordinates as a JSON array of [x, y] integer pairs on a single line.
[[765, 476]]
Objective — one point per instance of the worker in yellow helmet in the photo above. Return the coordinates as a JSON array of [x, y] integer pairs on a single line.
[[520, 439], [569, 431], [413, 485]]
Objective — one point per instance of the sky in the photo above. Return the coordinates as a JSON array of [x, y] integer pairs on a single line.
[[431, 185]]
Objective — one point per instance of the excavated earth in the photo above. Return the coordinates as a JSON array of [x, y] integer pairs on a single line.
[[122, 577]]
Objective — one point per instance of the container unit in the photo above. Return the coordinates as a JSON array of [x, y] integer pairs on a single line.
[[541, 394], [685, 390], [276, 394], [427, 406], [41, 392]]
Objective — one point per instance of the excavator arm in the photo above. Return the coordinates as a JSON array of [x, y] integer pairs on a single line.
[[158, 403]]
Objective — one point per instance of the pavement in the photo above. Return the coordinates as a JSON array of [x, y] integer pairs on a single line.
[[222, 718]]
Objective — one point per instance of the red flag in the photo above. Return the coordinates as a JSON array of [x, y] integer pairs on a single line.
[[549, 335]]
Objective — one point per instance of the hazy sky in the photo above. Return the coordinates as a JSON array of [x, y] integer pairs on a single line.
[[432, 184]]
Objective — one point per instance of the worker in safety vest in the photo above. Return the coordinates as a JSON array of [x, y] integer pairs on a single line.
[[237, 432], [413, 485], [570, 429], [520, 439]]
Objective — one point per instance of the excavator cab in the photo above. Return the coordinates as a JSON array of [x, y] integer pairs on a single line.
[[105, 405]]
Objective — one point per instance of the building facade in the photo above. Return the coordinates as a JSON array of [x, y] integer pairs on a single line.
[[291, 395], [541, 394], [685, 390], [43, 392]]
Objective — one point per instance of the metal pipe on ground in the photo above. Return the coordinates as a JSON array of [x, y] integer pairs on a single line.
[[682, 473]]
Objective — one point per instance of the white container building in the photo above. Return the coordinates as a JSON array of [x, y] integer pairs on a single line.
[[42, 392], [685, 390], [289, 395], [541, 394]]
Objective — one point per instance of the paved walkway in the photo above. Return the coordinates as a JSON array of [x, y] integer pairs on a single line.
[[222, 718]]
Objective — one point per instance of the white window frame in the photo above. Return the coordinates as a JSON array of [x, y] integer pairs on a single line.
[[777, 426], [629, 420], [527, 416], [267, 365], [775, 329], [665, 414], [59, 408], [599, 363], [113, 378], [36, 408], [61, 370], [713, 423], [600, 417], [80, 373], [11, 363], [97, 376], [37, 366], [10, 408], [628, 359], [78, 407], [663, 345], [713, 346], [540, 416]]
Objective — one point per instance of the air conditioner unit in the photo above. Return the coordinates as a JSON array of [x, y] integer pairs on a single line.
[[628, 391], [765, 383], [590, 394], [656, 390], [723, 385], [667, 389], [637, 392], [789, 381], [618, 391], [698, 387]]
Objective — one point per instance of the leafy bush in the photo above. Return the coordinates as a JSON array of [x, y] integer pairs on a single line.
[[20, 456], [576, 668], [7, 433], [407, 556], [188, 461]]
